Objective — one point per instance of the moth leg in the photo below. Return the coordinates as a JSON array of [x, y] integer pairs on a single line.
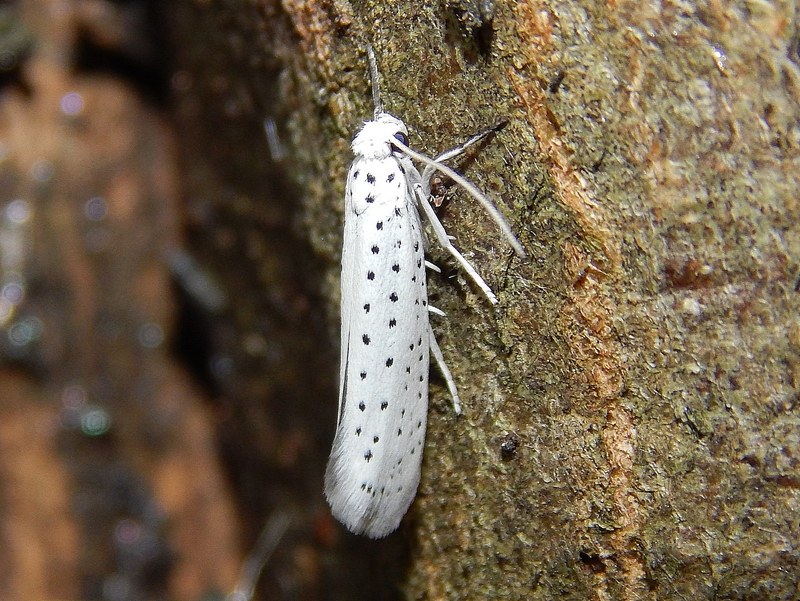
[[432, 267], [448, 377], [469, 188], [444, 242], [457, 150], [436, 311]]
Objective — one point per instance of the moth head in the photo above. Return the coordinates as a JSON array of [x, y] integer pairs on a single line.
[[375, 140]]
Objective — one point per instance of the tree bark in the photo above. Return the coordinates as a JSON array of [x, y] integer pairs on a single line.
[[630, 407]]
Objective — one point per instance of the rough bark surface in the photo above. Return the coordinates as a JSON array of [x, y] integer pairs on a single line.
[[646, 357]]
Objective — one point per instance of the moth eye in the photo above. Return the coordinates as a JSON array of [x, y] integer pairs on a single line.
[[400, 137]]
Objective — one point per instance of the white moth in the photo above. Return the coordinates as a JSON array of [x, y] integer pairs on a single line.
[[374, 467]]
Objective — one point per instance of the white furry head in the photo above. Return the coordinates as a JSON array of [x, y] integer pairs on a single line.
[[374, 140]]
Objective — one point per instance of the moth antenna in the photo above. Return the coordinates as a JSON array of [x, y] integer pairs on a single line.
[[373, 76]]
